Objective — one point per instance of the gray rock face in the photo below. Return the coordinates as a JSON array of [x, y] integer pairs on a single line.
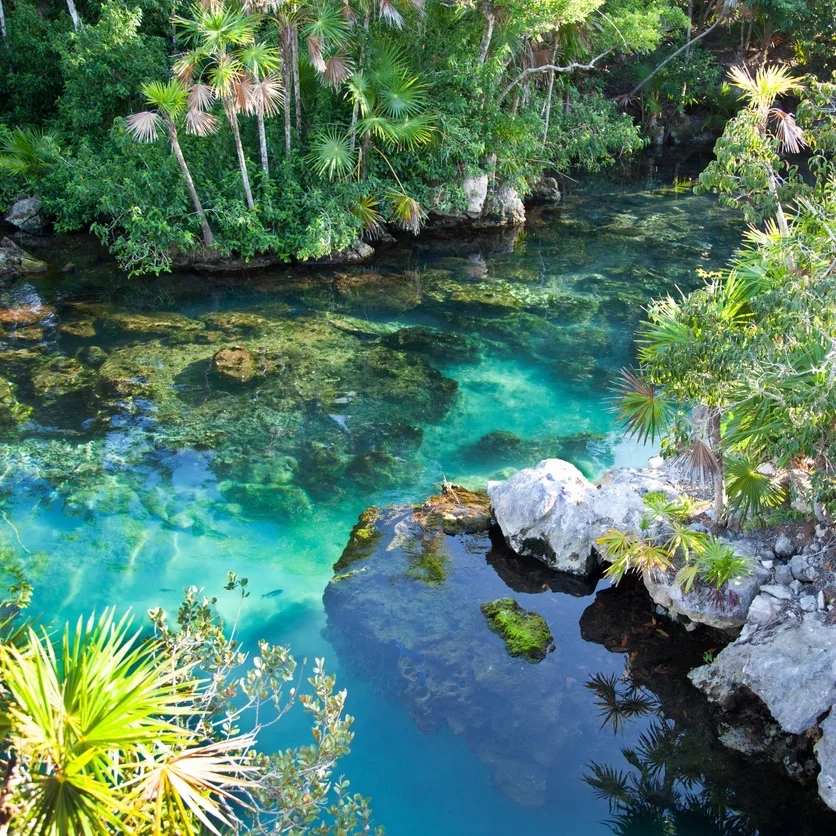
[[476, 192], [27, 214], [777, 591], [804, 568], [552, 512], [503, 206], [702, 604], [826, 756], [784, 547], [783, 574], [545, 512], [791, 667], [764, 609], [545, 190]]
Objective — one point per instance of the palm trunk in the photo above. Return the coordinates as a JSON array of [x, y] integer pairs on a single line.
[[719, 478], [548, 107], [229, 107], [74, 15], [208, 238], [287, 58], [3, 31], [490, 16], [262, 142], [297, 86]]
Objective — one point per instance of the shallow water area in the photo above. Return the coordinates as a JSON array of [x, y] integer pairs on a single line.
[[161, 433]]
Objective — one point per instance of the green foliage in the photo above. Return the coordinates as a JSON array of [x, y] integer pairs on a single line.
[[112, 58], [27, 153], [106, 732], [751, 491]]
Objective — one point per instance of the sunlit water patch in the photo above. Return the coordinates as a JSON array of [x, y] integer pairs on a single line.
[[163, 433]]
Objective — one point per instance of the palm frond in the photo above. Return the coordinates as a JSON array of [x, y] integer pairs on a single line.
[[366, 209], [200, 123], [644, 409], [144, 126], [406, 211], [751, 491], [331, 154]]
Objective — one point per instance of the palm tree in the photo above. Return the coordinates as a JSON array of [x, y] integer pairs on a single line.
[[27, 152], [94, 746], [169, 100], [261, 61], [213, 33], [761, 91]]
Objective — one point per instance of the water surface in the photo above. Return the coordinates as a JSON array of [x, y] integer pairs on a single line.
[[140, 470]]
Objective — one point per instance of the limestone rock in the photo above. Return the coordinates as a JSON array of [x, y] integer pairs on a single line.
[[826, 756], [784, 547], [764, 609], [27, 214], [790, 667], [503, 206], [804, 568], [553, 513], [15, 261], [703, 604], [546, 512], [545, 190], [475, 192]]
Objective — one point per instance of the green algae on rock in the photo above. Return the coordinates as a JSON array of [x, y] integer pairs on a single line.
[[362, 541], [525, 633], [12, 413], [235, 364]]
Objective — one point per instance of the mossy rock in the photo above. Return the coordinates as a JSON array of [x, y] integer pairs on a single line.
[[60, 377], [362, 541], [456, 510], [173, 327], [440, 346], [12, 413], [238, 322], [18, 317], [283, 501], [375, 469], [428, 557], [390, 291], [235, 364], [525, 633]]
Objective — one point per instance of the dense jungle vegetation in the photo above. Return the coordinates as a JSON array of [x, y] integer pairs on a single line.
[[294, 128]]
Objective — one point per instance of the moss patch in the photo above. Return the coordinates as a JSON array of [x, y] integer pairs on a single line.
[[526, 633], [362, 541]]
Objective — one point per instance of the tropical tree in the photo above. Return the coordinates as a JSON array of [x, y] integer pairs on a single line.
[[170, 102], [266, 95], [747, 171], [213, 33]]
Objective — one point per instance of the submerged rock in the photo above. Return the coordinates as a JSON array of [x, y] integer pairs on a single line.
[[12, 413], [235, 365], [15, 261], [525, 633], [171, 326], [545, 190]]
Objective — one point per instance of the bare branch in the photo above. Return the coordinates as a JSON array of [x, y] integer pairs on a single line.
[[569, 68]]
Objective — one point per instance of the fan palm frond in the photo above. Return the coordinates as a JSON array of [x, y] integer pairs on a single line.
[[406, 211], [200, 123], [366, 209], [337, 69], [331, 154], [645, 410], [750, 491], [144, 126]]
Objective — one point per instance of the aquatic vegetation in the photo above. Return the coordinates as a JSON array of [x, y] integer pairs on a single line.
[[525, 633], [362, 541], [427, 557], [12, 413]]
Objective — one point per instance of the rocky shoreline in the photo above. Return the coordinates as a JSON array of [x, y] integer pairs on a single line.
[[769, 677]]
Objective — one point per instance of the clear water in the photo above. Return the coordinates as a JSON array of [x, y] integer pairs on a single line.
[[125, 497]]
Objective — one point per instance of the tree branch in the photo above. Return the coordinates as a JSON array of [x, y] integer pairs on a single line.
[[569, 68], [687, 45]]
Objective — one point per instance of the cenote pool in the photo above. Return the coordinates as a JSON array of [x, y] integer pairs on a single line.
[[142, 469]]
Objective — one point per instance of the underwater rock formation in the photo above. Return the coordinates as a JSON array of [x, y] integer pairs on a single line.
[[526, 633]]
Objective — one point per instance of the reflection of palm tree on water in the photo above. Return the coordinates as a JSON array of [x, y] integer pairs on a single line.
[[661, 792]]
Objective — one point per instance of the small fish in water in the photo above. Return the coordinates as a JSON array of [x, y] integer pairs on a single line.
[[273, 593], [410, 654], [165, 589]]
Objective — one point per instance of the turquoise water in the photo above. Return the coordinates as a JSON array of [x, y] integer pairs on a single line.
[[141, 470]]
